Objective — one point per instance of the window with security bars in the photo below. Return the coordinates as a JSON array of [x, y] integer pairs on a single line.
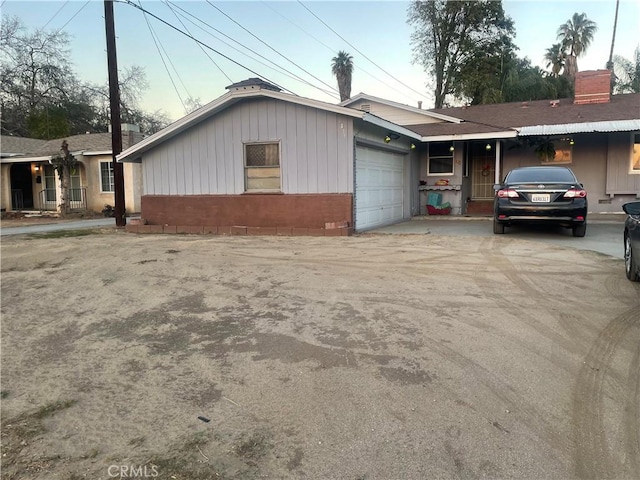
[[106, 177], [262, 166], [50, 183]]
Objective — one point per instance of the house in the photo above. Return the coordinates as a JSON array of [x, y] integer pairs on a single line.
[[257, 160], [30, 182], [595, 134]]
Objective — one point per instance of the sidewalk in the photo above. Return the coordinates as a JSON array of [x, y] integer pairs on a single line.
[[57, 225]]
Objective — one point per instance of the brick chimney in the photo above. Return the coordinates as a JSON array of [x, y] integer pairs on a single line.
[[592, 86]]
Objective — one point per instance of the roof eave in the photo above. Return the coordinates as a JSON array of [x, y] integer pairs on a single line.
[[26, 159], [381, 122], [470, 136]]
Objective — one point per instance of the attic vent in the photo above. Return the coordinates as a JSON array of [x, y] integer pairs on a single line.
[[365, 107]]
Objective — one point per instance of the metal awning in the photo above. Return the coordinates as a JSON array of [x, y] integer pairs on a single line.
[[586, 127]]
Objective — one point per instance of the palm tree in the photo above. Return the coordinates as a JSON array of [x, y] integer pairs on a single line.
[[613, 38], [342, 68], [555, 58], [576, 36]]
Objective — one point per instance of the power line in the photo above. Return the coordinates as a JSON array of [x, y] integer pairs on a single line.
[[359, 68], [74, 16], [282, 70], [54, 15], [128, 2], [199, 46], [273, 49], [153, 37], [356, 49]]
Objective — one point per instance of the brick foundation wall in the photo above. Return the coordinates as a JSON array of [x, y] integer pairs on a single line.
[[592, 86], [253, 212]]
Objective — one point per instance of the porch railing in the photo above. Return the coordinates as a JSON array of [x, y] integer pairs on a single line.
[[78, 199]]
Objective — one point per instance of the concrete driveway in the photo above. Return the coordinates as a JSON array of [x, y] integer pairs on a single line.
[[604, 235]]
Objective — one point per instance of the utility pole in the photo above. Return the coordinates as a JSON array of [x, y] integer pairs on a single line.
[[114, 103]]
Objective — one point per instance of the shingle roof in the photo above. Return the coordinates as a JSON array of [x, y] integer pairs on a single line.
[[506, 116], [17, 145], [95, 142]]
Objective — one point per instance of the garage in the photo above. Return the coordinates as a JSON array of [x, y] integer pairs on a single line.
[[379, 187]]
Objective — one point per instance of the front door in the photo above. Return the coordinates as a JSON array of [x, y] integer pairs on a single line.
[[483, 168], [21, 186]]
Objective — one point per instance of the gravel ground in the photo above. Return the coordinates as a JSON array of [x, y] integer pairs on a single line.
[[367, 357]]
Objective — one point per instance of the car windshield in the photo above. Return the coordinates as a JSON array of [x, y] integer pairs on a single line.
[[541, 175]]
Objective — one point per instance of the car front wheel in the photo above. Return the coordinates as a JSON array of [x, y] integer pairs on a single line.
[[580, 230], [630, 266]]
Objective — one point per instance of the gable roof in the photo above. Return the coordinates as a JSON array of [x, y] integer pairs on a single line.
[[133, 154], [427, 113], [540, 117], [11, 146]]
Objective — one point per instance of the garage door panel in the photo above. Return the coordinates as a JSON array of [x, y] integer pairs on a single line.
[[379, 187]]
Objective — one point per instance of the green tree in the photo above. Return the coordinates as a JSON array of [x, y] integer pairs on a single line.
[[450, 37], [575, 35], [342, 68], [627, 73], [554, 57], [526, 82]]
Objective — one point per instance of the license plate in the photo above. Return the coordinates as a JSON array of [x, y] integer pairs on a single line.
[[540, 198]]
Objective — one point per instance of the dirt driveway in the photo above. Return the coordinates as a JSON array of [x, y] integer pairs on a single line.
[[369, 357]]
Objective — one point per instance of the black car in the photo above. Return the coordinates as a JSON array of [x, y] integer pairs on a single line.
[[632, 241], [551, 195]]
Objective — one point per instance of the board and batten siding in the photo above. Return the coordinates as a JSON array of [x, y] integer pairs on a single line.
[[316, 151], [396, 115], [619, 179]]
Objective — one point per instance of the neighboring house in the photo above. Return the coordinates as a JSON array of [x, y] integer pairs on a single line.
[[267, 162], [30, 182], [595, 134]]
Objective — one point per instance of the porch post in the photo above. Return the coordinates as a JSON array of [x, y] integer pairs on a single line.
[[58, 184], [497, 169]]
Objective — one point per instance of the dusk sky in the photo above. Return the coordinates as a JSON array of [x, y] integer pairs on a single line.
[[376, 34]]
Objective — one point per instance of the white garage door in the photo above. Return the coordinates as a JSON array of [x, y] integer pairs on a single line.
[[379, 187]]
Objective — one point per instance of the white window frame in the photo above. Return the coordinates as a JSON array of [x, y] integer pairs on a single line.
[[634, 160], [440, 174], [111, 178], [247, 167]]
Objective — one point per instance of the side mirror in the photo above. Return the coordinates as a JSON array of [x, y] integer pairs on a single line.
[[631, 208], [497, 186]]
